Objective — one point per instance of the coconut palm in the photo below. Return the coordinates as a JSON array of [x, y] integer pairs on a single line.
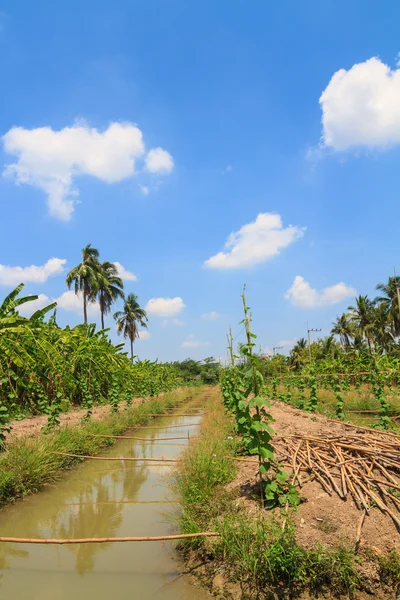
[[84, 277], [361, 316], [297, 354], [390, 300], [383, 327], [130, 318], [343, 328], [108, 286]]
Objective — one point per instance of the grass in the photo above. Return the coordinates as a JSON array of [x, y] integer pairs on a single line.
[[29, 463], [253, 552]]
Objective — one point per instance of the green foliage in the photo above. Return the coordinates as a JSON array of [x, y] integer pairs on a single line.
[[244, 395], [313, 399], [44, 368], [339, 398]]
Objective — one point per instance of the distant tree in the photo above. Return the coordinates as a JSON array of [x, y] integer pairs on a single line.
[[108, 287], [297, 354], [84, 277], [344, 329], [129, 319], [362, 317], [390, 300]]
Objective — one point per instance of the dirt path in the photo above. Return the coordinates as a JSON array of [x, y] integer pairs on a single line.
[[323, 519]]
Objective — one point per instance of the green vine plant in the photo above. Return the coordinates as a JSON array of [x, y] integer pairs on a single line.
[[54, 412], [379, 393], [113, 395], [313, 399], [243, 393], [337, 389], [302, 393], [87, 400], [5, 426]]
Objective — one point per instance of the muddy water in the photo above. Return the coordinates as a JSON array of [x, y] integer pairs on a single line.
[[101, 499]]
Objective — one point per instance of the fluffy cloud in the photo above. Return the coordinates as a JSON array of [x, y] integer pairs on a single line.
[[194, 344], [211, 316], [50, 160], [27, 309], [144, 334], [159, 161], [303, 295], [165, 307], [287, 343], [14, 275], [124, 274], [255, 243], [74, 303], [360, 107]]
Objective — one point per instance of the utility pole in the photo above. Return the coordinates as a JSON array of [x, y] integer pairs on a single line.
[[276, 348], [309, 343]]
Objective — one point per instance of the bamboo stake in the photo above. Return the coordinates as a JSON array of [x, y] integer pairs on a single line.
[[106, 540], [129, 437], [135, 459], [162, 426]]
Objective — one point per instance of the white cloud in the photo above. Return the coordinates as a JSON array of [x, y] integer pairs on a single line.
[[194, 344], [227, 169], [255, 243], [74, 303], [361, 107], [211, 316], [123, 273], [33, 274], [144, 189], [27, 309], [50, 160], [159, 161], [287, 343], [165, 307], [177, 322], [303, 295], [144, 334]]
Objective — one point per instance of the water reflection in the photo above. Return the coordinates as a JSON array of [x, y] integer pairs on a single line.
[[107, 499]]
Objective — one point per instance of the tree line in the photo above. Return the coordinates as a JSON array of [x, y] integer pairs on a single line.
[[367, 332], [100, 282]]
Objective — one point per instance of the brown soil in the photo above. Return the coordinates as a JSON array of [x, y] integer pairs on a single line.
[[320, 518]]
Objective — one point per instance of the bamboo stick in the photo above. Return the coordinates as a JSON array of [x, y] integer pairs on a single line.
[[135, 459], [129, 437], [163, 426], [106, 540]]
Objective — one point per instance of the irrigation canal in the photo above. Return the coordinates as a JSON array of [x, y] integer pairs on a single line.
[[102, 499]]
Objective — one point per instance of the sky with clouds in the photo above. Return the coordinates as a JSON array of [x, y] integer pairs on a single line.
[[201, 146]]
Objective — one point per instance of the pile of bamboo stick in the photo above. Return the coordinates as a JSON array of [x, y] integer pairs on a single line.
[[360, 463]]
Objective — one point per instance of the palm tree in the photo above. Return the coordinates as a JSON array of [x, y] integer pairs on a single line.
[[108, 287], [84, 277], [129, 318], [297, 353], [362, 317], [390, 300], [343, 328], [383, 327]]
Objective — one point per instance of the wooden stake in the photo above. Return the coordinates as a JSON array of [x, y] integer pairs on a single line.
[[107, 540]]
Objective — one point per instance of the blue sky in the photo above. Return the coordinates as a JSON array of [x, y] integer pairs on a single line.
[[156, 129]]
